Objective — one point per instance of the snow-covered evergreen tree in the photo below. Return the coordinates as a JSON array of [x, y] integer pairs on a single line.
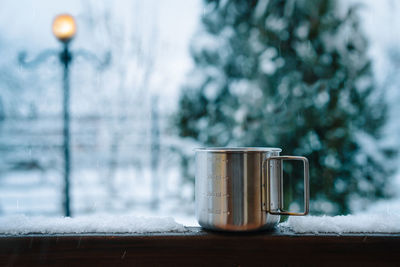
[[295, 75]]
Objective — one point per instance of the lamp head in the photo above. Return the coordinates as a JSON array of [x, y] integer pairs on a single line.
[[64, 27]]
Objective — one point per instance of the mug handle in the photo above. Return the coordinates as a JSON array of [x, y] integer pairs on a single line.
[[280, 210]]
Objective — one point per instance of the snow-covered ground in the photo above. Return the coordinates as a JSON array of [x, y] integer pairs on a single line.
[[129, 193]]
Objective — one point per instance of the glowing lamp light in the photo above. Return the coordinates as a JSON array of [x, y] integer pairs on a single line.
[[64, 27]]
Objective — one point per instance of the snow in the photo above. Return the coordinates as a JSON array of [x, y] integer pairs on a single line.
[[21, 224], [129, 189], [358, 223], [267, 64]]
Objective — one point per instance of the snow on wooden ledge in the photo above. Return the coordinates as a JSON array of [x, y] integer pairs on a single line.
[[359, 223], [21, 224]]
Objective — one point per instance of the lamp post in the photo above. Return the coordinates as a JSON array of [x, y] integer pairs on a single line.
[[64, 29]]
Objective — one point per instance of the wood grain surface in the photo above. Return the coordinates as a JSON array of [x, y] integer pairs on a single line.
[[196, 247]]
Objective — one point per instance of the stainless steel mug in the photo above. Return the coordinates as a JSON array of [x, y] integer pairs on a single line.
[[240, 189]]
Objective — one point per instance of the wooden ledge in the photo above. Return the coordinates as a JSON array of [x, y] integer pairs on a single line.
[[197, 247]]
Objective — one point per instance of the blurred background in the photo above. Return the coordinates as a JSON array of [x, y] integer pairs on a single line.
[[149, 81]]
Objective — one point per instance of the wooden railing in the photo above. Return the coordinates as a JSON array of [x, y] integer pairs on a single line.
[[200, 248]]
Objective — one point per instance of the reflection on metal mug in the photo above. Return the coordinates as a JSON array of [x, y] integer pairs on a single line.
[[240, 189]]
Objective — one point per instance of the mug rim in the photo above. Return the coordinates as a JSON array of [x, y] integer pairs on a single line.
[[238, 149]]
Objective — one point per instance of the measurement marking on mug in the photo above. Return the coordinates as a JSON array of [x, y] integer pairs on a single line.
[[216, 194], [217, 177], [212, 211]]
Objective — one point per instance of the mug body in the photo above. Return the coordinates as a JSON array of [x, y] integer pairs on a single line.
[[230, 188]]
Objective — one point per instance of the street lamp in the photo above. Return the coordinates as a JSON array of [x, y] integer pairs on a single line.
[[64, 29]]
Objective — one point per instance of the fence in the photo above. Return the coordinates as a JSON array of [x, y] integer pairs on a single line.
[[112, 165]]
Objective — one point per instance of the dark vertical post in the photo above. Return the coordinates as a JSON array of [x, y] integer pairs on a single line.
[[155, 151], [65, 58]]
